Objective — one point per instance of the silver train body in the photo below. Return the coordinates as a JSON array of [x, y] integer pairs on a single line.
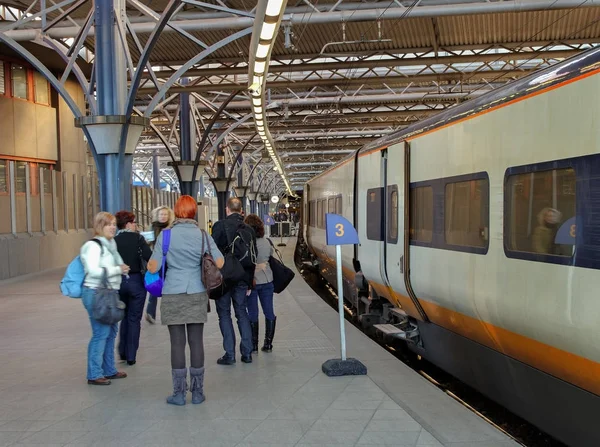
[[481, 226]]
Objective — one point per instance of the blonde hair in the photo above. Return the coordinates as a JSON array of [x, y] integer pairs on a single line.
[[101, 220], [156, 211]]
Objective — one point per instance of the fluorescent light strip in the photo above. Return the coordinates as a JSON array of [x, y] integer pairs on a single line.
[[267, 34]]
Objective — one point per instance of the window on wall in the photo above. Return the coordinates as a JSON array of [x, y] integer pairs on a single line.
[[42, 91], [3, 176], [421, 214], [392, 235], [20, 176], [466, 210], [2, 85], [538, 205], [18, 75]]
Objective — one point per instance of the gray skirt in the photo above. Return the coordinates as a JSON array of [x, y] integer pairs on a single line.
[[184, 309]]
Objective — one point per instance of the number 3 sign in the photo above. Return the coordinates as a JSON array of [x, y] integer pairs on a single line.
[[339, 230]]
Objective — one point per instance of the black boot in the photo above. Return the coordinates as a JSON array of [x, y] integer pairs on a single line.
[[254, 336], [269, 334]]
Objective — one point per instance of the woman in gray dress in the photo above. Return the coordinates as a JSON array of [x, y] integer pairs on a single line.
[[184, 304]]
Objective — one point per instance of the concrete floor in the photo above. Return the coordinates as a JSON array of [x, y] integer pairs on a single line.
[[282, 399]]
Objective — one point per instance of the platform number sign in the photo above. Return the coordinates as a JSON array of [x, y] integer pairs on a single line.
[[339, 230]]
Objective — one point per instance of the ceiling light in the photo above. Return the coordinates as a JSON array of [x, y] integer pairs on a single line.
[[257, 80], [256, 102], [259, 67], [262, 50], [267, 31], [274, 8], [257, 110]]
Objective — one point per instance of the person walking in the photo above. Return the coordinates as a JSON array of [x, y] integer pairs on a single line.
[[101, 261], [162, 217], [135, 253], [225, 233], [184, 304], [263, 289]]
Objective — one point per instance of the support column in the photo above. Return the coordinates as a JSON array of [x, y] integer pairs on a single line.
[[253, 208], [189, 186], [106, 130], [155, 172], [220, 182], [240, 192]]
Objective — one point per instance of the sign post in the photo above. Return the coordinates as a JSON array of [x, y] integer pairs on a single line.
[[341, 232]]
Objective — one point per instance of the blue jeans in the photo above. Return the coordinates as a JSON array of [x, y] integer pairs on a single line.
[[238, 296], [265, 293], [151, 308], [101, 349], [133, 294]]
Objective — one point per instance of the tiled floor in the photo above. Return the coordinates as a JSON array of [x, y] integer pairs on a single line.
[[282, 399]]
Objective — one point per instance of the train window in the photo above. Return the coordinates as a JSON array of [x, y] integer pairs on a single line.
[[538, 206], [374, 214], [331, 205], [392, 231], [421, 214], [313, 213], [466, 211], [338, 205], [320, 213]]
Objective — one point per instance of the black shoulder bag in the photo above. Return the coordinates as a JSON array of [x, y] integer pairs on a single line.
[[107, 308], [282, 275]]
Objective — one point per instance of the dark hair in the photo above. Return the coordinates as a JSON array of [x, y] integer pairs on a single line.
[[123, 218], [234, 204], [256, 223], [186, 208]]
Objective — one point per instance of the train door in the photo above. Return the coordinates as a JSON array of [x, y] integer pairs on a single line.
[[370, 227], [397, 217], [394, 225]]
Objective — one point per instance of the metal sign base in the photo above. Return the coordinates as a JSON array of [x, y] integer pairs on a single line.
[[348, 367]]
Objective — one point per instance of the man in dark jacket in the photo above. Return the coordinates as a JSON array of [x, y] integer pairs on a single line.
[[224, 233]]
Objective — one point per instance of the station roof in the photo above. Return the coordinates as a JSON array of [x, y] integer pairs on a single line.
[[342, 72]]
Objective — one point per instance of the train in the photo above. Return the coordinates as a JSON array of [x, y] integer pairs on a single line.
[[479, 233]]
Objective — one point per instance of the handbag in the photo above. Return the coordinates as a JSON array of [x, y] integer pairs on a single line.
[[282, 275], [154, 282], [211, 275], [143, 263], [107, 308]]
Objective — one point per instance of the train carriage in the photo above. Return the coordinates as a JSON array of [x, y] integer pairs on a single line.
[[480, 227]]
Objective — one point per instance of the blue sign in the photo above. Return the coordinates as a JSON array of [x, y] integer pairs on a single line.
[[566, 233], [339, 230], [268, 220]]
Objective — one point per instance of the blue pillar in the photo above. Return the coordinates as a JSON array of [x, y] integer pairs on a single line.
[[222, 196], [155, 172]]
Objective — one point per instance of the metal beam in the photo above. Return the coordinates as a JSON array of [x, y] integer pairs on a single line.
[[476, 76], [356, 15], [387, 62]]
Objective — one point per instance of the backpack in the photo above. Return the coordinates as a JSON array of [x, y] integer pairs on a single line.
[[243, 245], [154, 282], [72, 283]]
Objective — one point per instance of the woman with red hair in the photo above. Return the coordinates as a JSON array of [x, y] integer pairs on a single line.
[[184, 304]]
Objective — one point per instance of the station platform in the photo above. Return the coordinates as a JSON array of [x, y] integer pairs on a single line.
[[281, 399]]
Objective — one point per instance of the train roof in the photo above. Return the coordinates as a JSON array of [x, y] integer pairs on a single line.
[[536, 82]]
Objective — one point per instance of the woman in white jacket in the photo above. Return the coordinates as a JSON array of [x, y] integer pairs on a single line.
[[97, 256]]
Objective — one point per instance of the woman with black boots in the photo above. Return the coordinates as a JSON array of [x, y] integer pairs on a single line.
[[135, 253], [263, 288]]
